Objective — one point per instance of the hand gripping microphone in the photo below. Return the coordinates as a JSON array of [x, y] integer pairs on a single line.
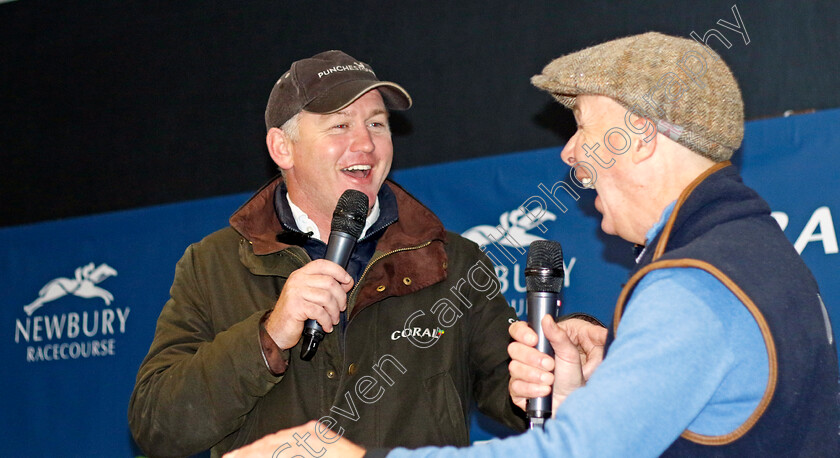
[[544, 280], [348, 221]]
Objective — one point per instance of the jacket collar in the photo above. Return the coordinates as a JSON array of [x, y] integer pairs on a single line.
[[700, 208], [257, 221]]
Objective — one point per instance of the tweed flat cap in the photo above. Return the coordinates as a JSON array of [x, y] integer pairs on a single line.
[[680, 84]]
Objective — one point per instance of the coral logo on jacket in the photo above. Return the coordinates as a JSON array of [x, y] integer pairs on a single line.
[[419, 336], [415, 332], [59, 336]]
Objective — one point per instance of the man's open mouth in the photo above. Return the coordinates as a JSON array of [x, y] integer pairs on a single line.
[[357, 171]]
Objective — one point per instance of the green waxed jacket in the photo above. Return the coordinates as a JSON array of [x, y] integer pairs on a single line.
[[426, 337]]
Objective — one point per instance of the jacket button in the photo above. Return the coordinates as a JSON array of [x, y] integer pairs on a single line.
[[407, 281], [330, 373], [380, 288], [351, 369]]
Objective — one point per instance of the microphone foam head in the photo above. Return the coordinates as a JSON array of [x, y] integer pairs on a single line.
[[544, 269], [350, 213]]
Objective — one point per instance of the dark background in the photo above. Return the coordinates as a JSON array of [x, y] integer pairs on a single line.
[[107, 105]]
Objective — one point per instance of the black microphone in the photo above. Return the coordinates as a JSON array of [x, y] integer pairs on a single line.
[[348, 221], [544, 280]]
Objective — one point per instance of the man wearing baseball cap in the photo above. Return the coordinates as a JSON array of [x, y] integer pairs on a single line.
[[720, 344], [416, 326]]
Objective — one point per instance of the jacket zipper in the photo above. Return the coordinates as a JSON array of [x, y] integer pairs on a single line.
[[302, 261], [371, 263], [355, 289]]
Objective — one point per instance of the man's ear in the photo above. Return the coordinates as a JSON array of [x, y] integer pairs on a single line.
[[643, 147], [280, 148]]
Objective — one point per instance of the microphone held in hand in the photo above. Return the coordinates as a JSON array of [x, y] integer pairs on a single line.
[[544, 280], [348, 221]]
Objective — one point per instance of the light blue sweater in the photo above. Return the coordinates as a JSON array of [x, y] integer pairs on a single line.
[[688, 355]]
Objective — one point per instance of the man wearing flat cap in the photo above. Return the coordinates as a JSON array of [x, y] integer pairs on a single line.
[[720, 343], [401, 363]]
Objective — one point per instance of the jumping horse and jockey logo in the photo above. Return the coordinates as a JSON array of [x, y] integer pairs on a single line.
[[514, 225], [83, 285]]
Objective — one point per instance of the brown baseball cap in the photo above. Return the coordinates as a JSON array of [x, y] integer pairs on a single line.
[[683, 86], [326, 83]]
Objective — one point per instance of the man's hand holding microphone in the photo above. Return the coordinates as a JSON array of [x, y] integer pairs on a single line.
[[315, 296], [577, 344]]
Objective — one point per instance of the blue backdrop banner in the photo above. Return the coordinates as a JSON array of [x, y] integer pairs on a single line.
[[82, 295]]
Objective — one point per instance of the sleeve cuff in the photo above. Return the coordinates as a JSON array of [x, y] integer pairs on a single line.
[[584, 317], [276, 360], [377, 453]]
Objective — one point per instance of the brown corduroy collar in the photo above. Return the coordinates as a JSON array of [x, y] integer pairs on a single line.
[[257, 221]]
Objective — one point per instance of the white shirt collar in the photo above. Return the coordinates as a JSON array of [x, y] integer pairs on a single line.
[[305, 224]]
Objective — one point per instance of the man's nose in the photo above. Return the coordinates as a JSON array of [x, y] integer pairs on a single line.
[[362, 140], [568, 153]]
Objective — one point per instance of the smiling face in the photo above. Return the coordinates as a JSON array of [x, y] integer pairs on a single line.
[[348, 149], [612, 179]]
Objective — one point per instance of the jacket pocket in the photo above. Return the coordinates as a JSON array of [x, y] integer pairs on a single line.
[[448, 412]]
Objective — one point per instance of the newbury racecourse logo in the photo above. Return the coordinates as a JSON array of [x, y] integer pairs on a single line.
[[84, 285], [61, 331]]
